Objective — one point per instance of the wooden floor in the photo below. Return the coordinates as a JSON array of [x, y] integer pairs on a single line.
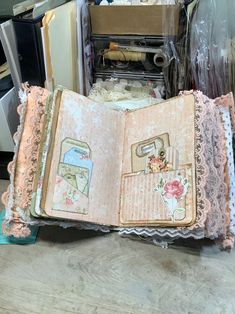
[[71, 271]]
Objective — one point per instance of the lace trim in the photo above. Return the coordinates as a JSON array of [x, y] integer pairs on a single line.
[[23, 167], [29, 149], [228, 102], [163, 233], [69, 224], [225, 110], [8, 196], [202, 166], [210, 165], [216, 159], [202, 169]]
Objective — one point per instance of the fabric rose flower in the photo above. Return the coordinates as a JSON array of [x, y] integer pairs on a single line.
[[17, 229], [156, 164], [174, 189]]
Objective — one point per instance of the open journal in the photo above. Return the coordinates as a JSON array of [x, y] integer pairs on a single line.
[[117, 168], [162, 168]]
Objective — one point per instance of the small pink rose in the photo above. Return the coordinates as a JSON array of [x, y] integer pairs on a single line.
[[68, 201], [174, 189]]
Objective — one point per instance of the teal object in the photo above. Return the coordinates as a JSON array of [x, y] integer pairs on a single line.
[[12, 240]]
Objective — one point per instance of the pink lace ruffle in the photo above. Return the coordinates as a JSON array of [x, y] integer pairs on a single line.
[[216, 189], [228, 113], [202, 169], [210, 168], [23, 168]]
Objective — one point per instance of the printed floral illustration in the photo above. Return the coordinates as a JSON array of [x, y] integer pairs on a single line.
[[70, 197], [172, 192]]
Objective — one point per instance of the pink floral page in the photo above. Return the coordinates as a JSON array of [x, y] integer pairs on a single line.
[[159, 198], [85, 172], [139, 204]]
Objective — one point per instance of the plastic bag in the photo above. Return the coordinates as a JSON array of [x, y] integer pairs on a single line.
[[212, 49]]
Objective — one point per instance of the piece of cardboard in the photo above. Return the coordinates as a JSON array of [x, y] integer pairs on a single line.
[[60, 51], [135, 20]]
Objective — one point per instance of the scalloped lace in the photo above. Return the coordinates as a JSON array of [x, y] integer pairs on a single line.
[[230, 165], [227, 110], [202, 168], [216, 188], [11, 217]]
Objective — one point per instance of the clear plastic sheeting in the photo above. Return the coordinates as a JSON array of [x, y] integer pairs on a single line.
[[176, 73], [171, 72], [212, 47]]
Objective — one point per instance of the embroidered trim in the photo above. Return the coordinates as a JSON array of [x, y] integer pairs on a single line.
[[29, 150], [23, 166]]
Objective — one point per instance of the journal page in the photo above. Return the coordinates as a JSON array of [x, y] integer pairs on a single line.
[[83, 173], [158, 174]]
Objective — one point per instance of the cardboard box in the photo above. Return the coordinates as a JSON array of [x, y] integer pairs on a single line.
[[135, 20]]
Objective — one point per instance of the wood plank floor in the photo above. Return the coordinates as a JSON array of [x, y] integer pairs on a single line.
[[71, 271]]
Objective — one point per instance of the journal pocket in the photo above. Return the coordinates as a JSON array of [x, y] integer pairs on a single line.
[[162, 198]]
